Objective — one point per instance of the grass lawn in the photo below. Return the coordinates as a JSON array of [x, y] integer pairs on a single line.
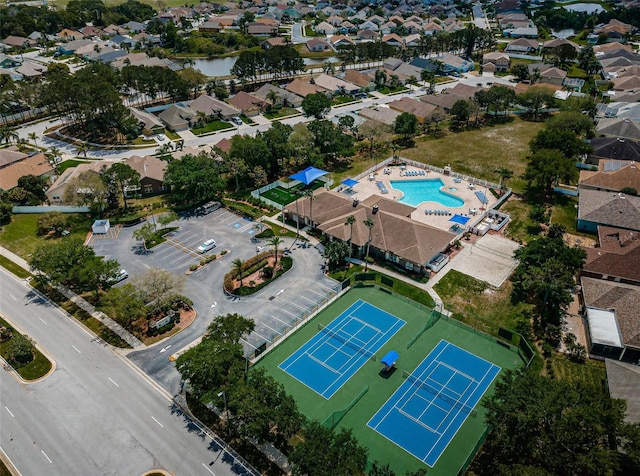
[[284, 196], [591, 371], [211, 127], [480, 152], [14, 268], [281, 112], [308, 31], [340, 100], [565, 212], [172, 135], [69, 163], [142, 141], [20, 236], [521, 228], [35, 369], [399, 89]]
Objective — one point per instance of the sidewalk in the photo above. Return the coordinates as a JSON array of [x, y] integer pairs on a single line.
[[100, 316]]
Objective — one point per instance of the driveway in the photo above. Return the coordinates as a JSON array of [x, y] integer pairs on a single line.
[[275, 308]]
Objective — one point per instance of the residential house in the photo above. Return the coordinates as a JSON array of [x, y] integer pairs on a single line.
[[413, 41], [334, 20], [462, 90], [178, 117], [325, 28], [318, 44], [338, 41], [393, 40], [283, 97], [71, 47], [555, 45], [623, 381], [211, 26], [15, 164], [368, 25], [134, 26], [444, 101], [523, 32], [303, 88], [271, 42], [432, 28], [395, 237], [619, 127], [147, 122], [626, 83], [455, 64], [420, 109], [615, 150], [522, 46], [616, 256], [55, 194], [31, 69], [91, 31], [249, 105], [114, 30], [547, 73], [335, 85], [499, 60], [8, 62], [151, 170], [596, 208], [611, 315], [69, 35], [611, 177], [615, 30], [17, 42], [377, 19], [386, 28], [262, 29], [213, 107], [367, 35], [361, 80]]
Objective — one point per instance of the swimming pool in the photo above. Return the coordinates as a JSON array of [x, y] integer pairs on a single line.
[[427, 190]]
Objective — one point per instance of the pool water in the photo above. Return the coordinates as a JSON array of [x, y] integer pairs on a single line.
[[426, 190]]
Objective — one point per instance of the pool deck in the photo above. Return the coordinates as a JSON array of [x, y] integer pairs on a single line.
[[465, 191]]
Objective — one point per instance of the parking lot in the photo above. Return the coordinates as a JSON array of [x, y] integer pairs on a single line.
[[275, 309]]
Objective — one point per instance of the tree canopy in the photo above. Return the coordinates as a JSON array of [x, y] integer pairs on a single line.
[[316, 105], [406, 124], [193, 179]]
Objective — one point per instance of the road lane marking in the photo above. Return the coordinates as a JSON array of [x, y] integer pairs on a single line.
[[42, 321], [12, 297], [12, 415], [164, 349], [161, 425], [76, 349], [113, 382], [205, 467], [45, 455]]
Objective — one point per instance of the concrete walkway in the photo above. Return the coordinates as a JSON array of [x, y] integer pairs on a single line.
[[83, 304]]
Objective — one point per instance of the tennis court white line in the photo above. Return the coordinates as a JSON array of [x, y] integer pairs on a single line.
[[364, 324], [412, 418], [324, 365], [457, 371]]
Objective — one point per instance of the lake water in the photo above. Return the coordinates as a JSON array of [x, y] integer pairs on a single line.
[[222, 66], [584, 8]]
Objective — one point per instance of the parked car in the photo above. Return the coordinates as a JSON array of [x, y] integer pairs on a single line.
[[206, 246], [208, 208], [121, 276], [237, 121]]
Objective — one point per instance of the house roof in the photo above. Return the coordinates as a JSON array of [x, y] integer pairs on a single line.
[[613, 180], [148, 166], [613, 148], [10, 155], [609, 208], [624, 299], [393, 229], [282, 93], [608, 47], [623, 380], [382, 114], [303, 88], [418, 108], [210, 105], [463, 90], [618, 255], [177, 114], [34, 165], [333, 84], [558, 42], [626, 82], [445, 101], [245, 101], [317, 41], [619, 127], [495, 56], [523, 42], [150, 121], [65, 177], [357, 78]]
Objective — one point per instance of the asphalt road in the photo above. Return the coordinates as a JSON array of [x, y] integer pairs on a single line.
[[95, 414]]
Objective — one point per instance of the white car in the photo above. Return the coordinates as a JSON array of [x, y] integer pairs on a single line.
[[206, 246], [121, 276]]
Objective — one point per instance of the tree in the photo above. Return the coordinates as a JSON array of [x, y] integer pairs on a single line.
[[573, 121], [407, 125], [325, 453], [565, 55], [33, 137], [546, 166], [124, 304], [123, 176], [193, 179], [369, 224], [505, 174], [316, 105], [350, 221], [81, 148], [461, 112], [346, 123], [428, 77], [629, 191], [545, 426], [20, 350], [217, 362], [87, 189], [380, 78], [335, 252], [144, 234], [564, 141], [8, 135], [535, 99], [520, 71], [275, 241], [167, 218], [52, 221], [158, 287], [34, 185], [238, 266]]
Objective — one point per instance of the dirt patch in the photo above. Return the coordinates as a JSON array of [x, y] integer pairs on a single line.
[[582, 241]]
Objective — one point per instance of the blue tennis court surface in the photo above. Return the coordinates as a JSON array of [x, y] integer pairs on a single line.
[[327, 360], [428, 409]]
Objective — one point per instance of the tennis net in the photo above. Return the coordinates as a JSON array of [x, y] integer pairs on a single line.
[[440, 394], [347, 340]]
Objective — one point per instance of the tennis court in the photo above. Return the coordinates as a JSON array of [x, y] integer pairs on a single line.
[[426, 412], [331, 357]]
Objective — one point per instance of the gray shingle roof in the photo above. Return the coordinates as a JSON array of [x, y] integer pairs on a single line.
[[609, 208]]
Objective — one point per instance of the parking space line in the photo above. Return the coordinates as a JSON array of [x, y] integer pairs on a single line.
[[285, 323], [298, 305], [315, 292], [326, 287], [283, 309], [269, 327], [261, 337], [305, 297]]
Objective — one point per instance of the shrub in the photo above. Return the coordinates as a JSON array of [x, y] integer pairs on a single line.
[[267, 272], [20, 351], [267, 233], [223, 252], [193, 267]]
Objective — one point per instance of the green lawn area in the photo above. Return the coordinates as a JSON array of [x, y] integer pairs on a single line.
[[172, 135], [591, 371], [142, 141], [308, 31], [284, 196], [521, 228], [281, 112], [565, 212], [35, 369], [479, 153], [342, 99], [212, 126], [20, 236], [577, 72], [14, 268], [68, 164], [399, 89]]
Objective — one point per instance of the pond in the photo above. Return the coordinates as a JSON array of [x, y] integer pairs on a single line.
[[222, 66]]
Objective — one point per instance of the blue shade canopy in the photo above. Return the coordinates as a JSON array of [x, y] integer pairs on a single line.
[[459, 219], [482, 197], [308, 175], [350, 182], [390, 358]]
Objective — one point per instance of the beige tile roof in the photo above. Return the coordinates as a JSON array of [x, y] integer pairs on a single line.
[[623, 380], [628, 176], [303, 88], [246, 102], [148, 166], [624, 299], [418, 108], [36, 165], [357, 78], [10, 155]]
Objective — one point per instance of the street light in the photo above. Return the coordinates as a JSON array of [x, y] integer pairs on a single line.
[[226, 411]]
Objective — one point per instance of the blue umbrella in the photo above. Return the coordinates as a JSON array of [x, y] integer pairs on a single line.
[[308, 175]]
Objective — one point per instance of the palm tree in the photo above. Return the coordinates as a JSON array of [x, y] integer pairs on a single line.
[[369, 224], [275, 241], [350, 221], [55, 153], [237, 267], [309, 193], [8, 135], [202, 118], [273, 97], [505, 174], [81, 148], [34, 137]]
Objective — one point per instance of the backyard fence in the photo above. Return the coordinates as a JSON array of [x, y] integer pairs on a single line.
[[49, 209]]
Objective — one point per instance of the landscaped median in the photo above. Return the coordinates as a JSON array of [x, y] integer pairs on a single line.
[[21, 354], [248, 277]]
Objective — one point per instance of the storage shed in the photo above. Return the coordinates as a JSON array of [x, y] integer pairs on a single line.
[[100, 227]]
